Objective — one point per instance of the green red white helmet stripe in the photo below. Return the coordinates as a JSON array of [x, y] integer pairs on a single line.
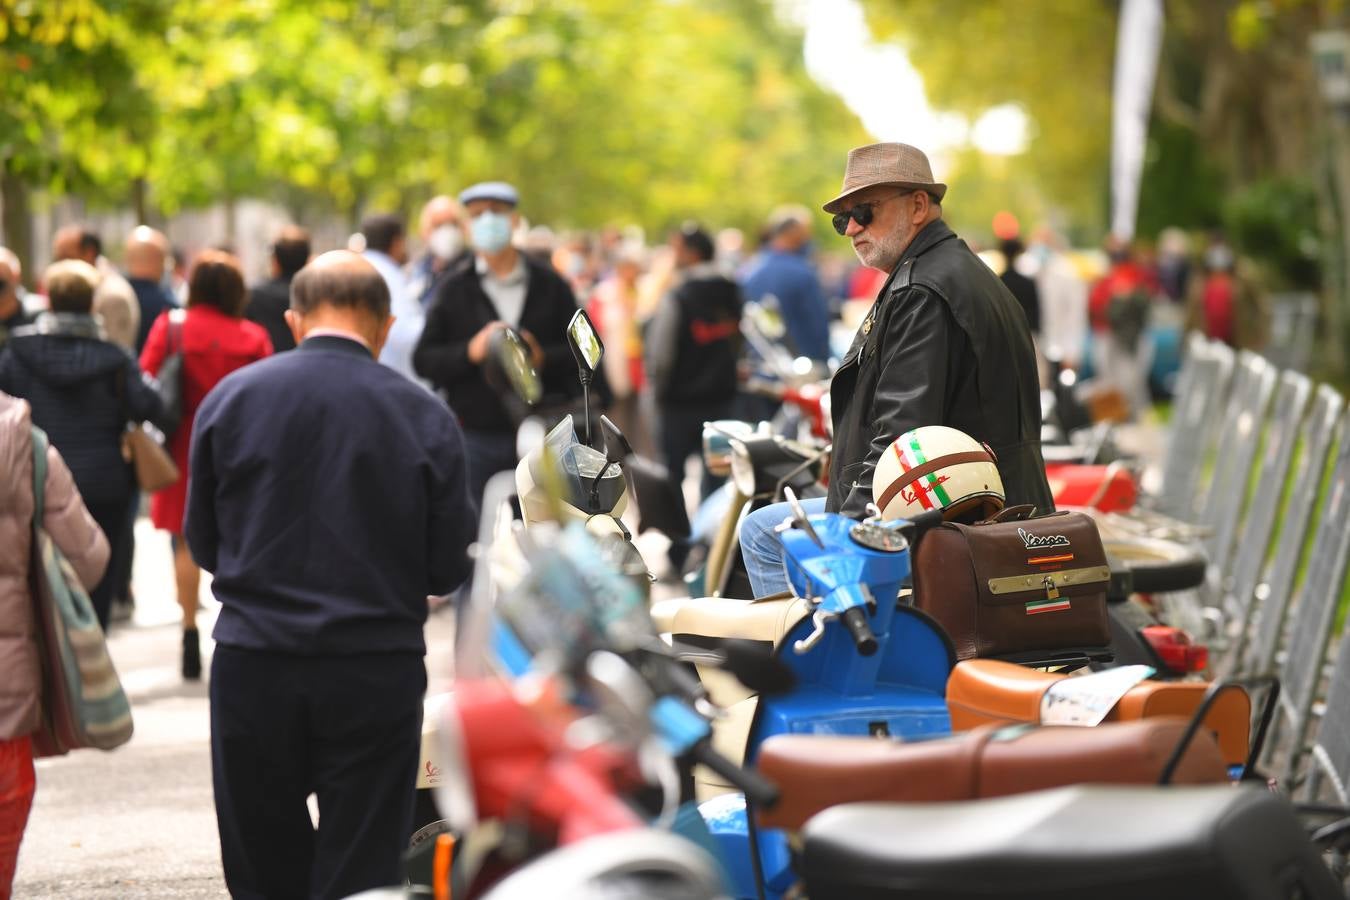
[[934, 485]]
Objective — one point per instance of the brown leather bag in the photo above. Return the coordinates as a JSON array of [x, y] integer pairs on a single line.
[[1014, 584]]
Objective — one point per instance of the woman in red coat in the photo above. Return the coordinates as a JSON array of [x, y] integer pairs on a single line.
[[215, 340]]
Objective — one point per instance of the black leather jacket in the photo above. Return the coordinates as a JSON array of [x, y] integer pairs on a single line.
[[945, 344]]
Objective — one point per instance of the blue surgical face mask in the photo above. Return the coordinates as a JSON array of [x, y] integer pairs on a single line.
[[490, 231]]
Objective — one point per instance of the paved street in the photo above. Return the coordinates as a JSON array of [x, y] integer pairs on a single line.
[[139, 822]]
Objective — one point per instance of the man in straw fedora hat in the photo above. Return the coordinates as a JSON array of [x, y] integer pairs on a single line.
[[944, 344]]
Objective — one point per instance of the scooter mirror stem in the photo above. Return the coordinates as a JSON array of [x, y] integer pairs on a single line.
[[595, 483], [585, 376]]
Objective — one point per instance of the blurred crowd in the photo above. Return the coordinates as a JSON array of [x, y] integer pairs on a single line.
[[669, 313]]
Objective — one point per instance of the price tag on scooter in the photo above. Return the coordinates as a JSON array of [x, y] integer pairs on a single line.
[[1086, 699]]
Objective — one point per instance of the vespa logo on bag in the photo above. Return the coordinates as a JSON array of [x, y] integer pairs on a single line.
[[1042, 541]]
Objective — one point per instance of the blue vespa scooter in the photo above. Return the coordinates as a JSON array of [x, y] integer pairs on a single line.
[[864, 665]]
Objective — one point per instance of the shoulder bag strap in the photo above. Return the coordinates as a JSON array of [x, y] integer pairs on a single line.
[[175, 336], [1012, 514], [39, 473]]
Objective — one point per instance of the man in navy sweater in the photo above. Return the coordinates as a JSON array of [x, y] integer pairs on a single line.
[[328, 496]]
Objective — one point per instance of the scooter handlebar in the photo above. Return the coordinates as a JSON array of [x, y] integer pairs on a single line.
[[855, 620], [758, 790]]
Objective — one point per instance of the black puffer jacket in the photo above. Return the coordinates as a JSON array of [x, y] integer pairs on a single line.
[[70, 377], [945, 344]]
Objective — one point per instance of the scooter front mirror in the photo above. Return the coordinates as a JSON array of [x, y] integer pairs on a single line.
[[585, 343], [510, 362], [617, 448], [619, 691]]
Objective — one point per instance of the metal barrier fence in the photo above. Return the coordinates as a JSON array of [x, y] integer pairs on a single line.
[[1237, 590]]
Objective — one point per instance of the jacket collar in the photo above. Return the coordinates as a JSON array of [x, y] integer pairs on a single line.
[[336, 343], [68, 324], [934, 233]]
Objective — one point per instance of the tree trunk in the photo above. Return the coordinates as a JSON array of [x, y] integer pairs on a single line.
[[18, 220], [231, 219], [138, 195]]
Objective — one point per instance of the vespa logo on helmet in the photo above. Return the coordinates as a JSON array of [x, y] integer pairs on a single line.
[[1042, 541]]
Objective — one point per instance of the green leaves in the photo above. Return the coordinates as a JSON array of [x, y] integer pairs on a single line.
[[600, 110]]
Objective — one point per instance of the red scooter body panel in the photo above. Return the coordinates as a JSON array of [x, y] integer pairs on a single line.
[[1106, 488], [522, 768]]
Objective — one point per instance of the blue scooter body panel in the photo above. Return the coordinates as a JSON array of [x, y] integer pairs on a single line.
[[899, 691]]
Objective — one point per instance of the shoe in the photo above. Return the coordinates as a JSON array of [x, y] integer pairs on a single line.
[[192, 655]]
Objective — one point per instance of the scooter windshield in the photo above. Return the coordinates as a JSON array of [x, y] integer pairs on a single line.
[[572, 602], [580, 465]]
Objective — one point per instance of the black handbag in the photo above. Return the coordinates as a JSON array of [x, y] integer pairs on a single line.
[[171, 376]]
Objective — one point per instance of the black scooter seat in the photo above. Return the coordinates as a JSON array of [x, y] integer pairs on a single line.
[[1104, 843]]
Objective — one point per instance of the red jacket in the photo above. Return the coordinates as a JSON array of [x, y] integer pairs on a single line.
[[214, 345], [1123, 278]]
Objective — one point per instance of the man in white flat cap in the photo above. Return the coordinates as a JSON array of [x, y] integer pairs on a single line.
[[502, 288], [944, 344]]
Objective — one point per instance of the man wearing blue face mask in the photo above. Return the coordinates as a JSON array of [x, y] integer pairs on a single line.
[[503, 288]]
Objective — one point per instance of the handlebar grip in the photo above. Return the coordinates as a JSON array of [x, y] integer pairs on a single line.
[[925, 521], [758, 790], [855, 620]]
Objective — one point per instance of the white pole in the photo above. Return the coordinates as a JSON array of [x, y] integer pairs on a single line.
[[1138, 43]]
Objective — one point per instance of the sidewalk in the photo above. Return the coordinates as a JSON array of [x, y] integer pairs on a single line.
[[140, 821]]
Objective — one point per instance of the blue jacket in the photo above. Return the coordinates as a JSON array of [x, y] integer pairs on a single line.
[[83, 391], [793, 281], [328, 496]]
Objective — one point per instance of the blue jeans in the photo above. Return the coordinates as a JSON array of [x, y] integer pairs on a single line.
[[762, 549]]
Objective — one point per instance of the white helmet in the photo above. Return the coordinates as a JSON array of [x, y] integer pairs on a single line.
[[935, 467]]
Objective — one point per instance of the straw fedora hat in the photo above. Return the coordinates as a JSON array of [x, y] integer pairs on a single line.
[[897, 164]]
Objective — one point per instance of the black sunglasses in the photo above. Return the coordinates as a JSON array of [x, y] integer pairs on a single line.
[[861, 212]]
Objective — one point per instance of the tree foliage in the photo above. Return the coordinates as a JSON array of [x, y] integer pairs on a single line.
[[1052, 58], [601, 110]]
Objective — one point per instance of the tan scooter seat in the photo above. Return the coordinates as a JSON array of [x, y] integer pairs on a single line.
[[989, 691], [767, 620]]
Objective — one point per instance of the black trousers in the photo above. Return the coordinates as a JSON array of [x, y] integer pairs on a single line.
[[346, 728], [111, 516], [681, 429]]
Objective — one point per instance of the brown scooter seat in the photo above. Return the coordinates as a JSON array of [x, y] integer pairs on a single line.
[[988, 691], [815, 772]]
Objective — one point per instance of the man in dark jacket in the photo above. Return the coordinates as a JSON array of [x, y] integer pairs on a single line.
[[83, 391], [1021, 287], [146, 251], [268, 302], [329, 500], [503, 288], [692, 349], [945, 344]]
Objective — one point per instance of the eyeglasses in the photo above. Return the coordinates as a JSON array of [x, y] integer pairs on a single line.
[[861, 212]]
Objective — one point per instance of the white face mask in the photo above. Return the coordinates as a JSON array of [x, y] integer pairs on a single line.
[[446, 241]]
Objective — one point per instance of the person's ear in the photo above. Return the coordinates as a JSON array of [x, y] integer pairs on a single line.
[[381, 335], [296, 323], [922, 203]]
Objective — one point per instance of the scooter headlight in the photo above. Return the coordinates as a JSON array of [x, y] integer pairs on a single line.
[[742, 469]]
